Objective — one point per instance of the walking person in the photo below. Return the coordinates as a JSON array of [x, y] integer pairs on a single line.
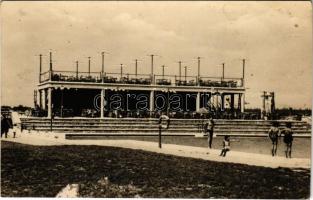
[[226, 146], [273, 134], [209, 128], [288, 138]]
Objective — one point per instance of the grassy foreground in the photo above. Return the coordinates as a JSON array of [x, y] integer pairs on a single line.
[[43, 171]]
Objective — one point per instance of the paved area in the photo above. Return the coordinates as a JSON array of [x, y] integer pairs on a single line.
[[47, 138]]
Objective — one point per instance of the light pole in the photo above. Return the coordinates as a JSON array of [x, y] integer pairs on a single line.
[[185, 74], [40, 67], [152, 62], [152, 78], [243, 72], [89, 66], [223, 72], [102, 69], [163, 71], [136, 67], [198, 70], [179, 62], [121, 71], [76, 69], [102, 64], [50, 53], [50, 68]]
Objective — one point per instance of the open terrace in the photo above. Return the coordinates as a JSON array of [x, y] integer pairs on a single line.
[[142, 79]]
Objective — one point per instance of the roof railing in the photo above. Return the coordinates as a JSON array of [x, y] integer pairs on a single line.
[[142, 79]]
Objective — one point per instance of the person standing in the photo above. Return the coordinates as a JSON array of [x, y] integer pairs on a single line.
[[209, 128], [273, 134], [288, 139], [5, 126], [161, 126]]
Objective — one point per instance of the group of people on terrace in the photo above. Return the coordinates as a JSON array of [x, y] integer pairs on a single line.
[[145, 81]]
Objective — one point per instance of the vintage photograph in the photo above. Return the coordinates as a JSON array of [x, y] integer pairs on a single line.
[[156, 99]]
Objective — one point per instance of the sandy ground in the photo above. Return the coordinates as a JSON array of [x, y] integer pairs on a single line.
[[47, 138], [301, 147]]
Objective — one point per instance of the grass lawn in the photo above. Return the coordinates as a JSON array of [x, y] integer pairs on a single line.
[[42, 171]]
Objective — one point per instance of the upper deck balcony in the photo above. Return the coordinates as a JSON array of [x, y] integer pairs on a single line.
[[140, 79]]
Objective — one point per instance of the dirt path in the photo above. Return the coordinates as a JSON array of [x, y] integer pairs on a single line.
[[48, 139]]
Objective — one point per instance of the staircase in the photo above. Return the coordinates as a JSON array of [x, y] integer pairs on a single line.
[[140, 126]]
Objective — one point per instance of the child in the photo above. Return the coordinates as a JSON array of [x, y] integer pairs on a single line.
[[226, 146]]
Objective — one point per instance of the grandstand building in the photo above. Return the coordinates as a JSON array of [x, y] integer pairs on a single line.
[[103, 94]]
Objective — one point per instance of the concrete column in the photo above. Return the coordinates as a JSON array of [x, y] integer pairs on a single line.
[[239, 101], [44, 98], [242, 102], [49, 102], [212, 100], [198, 102], [151, 102], [216, 101], [222, 102], [102, 103], [40, 99], [232, 102]]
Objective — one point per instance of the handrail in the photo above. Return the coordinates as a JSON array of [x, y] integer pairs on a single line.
[[225, 78], [74, 72], [148, 75], [129, 78]]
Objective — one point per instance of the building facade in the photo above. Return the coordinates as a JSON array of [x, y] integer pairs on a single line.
[[101, 94]]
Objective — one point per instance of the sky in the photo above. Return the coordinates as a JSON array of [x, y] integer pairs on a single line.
[[275, 38]]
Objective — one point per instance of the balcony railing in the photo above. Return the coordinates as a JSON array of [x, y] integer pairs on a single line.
[[220, 82], [141, 79]]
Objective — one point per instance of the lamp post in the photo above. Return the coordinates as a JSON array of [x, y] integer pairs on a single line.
[[89, 66], [163, 66], [136, 67], [121, 71], [223, 72], [102, 64], [185, 74], [198, 77], [76, 69], [243, 72], [179, 62], [152, 76], [50, 68], [40, 67]]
